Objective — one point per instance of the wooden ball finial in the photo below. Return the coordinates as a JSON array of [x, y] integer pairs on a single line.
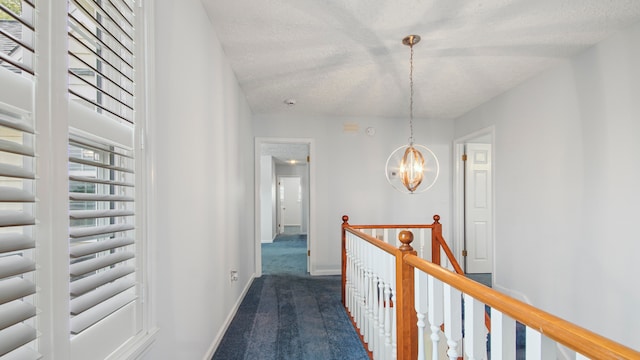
[[405, 237], [436, 219], [345, 219]]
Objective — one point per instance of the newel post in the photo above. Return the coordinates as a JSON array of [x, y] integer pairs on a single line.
[[407, 339], [345, 223], [436, 235]]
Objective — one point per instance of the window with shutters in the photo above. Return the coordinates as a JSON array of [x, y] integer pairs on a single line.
[[18, 334], [104, 282]]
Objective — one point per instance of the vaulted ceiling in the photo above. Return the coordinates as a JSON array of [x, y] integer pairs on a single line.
[[346, 58]]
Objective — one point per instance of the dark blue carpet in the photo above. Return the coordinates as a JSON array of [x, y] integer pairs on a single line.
[[286, 255], [291, 317]]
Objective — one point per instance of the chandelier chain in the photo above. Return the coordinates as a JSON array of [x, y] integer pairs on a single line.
[[411, 96]]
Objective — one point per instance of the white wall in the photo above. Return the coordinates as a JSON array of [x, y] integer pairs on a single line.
[[202, 222], [350, 177], [567, 194]]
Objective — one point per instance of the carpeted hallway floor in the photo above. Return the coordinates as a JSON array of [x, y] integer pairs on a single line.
[[288, 314]]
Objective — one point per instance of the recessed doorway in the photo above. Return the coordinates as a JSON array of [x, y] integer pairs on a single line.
[[284, 192]]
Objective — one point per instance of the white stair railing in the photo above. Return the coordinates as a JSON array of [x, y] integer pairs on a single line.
[[544, 332], [370, 290]]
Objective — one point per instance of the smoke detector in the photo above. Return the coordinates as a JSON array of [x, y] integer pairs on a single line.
[[290, 102]]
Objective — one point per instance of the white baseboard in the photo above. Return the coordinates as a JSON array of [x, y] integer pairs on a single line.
[[326, 272], [216, 341]]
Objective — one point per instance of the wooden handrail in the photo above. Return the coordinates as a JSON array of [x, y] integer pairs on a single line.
[[568, 334], [450, 256], [393, 226], [437, 241]]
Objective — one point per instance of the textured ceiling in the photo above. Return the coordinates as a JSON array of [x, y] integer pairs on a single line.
[[345, 57], [286, 152]]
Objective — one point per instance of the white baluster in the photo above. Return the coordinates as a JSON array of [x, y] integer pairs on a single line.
[[503, 336], [474, 329], [385, 235], [381, 304], [394, 316], [422, 243], [387, 321], [422, 306], [367, 294], [359, 299], [373, 302], [539, 346], [435, 314], [348, 275], [452, 319]]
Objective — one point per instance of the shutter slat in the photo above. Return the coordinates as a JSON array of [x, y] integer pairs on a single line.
[[18, 18], [15, 337], [16, 172], [15, 121], [99, 181], [99, 165], [80, 250], [87, 284], [83, 321], [11, 194], [13, 265], [15, 242], [23, 353], [76, 233], [15, 148], [98, 147], [98, 197], [89, 300], [15, 218], [15, 312], [109, 110], [94, 214], [15, 288], [88, 266]]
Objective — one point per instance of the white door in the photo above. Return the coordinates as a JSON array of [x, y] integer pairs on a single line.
[[478, 209], [290, 205]]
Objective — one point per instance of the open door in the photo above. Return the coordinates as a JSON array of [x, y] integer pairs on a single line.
[[478, 228], [289, 205], [473, 230]]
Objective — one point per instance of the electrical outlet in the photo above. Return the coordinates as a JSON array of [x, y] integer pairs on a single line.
[[234, 275]]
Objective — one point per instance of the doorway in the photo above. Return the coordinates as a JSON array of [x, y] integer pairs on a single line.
[[284, 184], [473, 201], [289, 205]]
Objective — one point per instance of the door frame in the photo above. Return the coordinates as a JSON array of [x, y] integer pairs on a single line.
[[458, 192], [311, 211]]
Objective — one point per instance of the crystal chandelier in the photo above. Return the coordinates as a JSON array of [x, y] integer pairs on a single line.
[[408, 169]]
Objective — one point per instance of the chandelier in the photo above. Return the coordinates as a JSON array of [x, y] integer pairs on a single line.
[[412, 168]]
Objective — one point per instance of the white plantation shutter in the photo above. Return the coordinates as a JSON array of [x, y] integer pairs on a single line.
[[101, 56], [101, 231], [104, 281], [17, 265], [17, 184]]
